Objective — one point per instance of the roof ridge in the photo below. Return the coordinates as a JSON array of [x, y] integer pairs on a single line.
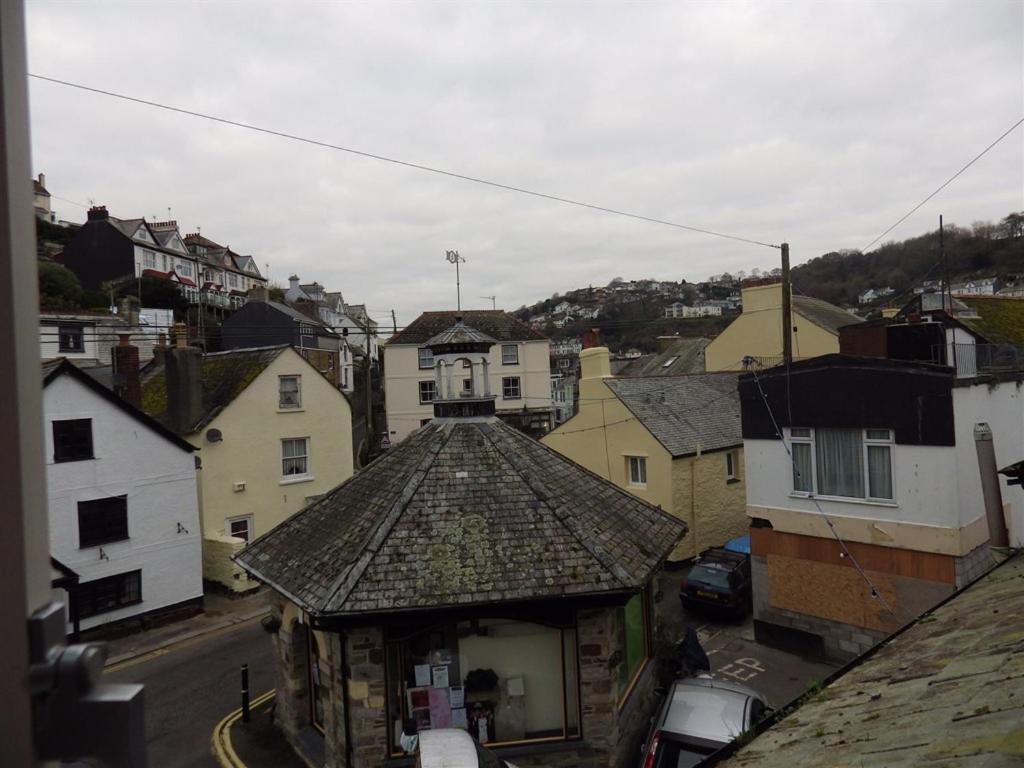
[[567, 521], [343, 585]]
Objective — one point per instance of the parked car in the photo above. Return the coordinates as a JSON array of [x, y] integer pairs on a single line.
[[718, 581], [698, 717], [454, 748]]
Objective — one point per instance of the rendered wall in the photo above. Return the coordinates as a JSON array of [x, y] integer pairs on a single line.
[[159, 479], [758, 332], [713, 507], [252, 427], [402, 376]]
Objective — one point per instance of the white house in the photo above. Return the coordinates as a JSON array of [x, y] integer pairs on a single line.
[[518, 371], [876, 493], [985, 286], [123, 505]]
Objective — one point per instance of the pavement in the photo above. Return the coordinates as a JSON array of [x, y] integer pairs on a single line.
[[220, 611]]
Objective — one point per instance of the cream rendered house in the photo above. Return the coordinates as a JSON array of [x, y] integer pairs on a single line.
[[673, 441], [757, 332], [518, 371], [273, 433]]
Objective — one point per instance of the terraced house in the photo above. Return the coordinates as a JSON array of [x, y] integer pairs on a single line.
[[273, 434]]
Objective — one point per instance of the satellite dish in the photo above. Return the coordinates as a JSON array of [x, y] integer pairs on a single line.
[[214, 436]]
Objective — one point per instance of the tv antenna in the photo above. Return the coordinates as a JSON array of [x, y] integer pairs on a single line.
[[454, 258], [494, 300]]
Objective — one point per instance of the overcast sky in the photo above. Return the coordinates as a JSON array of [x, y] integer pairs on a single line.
[[815, 123]]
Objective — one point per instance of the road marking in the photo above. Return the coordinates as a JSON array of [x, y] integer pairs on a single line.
[[743, 669], [220, 741], [157, 653]]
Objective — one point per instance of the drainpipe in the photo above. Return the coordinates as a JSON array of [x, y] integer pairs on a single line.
[[693, 499], [997, 533]]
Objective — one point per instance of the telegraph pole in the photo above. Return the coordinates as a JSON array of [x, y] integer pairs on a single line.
[[787, 308], [394, 322]]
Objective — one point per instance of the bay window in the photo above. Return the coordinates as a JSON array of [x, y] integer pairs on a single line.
[[849, 463]]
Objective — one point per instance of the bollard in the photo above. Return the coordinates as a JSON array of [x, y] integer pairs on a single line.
[[245, 693]]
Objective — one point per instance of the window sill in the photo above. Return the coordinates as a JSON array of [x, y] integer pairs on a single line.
[[639, 486], [296, 479], [291, 410], [731, 480], [845, 499], [99, 544], [77, 458]]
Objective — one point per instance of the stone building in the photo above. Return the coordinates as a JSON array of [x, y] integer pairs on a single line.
[[470, 577]]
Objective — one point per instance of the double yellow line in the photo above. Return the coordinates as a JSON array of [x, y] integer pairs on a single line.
[[221, 741]]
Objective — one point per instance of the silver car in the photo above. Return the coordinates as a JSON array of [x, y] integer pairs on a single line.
[[698, 717]]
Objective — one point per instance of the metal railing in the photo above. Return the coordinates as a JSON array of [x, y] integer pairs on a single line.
[[980, 359]]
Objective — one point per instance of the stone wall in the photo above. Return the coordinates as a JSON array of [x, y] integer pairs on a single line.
[[368, 722], [220, 569], [291, 676], [973, 565]]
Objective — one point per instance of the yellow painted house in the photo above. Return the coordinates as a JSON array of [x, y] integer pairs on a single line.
[[273, 434], [674, 441], [757, 332]]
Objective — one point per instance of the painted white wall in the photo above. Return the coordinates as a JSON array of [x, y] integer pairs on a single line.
[[159, 479], [924, 483], [92, 338], [402, 376], [1002, 408]]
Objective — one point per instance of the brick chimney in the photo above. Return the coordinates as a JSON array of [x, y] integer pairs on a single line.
[[125, 359], [183, 366], [98, 213], [590, 338]]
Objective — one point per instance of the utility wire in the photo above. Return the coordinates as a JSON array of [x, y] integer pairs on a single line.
[[796, 470], [395, 161], [945, 184]]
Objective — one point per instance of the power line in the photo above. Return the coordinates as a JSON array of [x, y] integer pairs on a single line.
[[945, 184], [395, 161]]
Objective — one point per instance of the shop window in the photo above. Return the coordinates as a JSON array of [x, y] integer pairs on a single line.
[[632, 628], [504, 681]]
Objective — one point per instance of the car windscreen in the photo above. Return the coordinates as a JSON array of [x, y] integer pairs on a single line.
[[673, 754], [713, 577]]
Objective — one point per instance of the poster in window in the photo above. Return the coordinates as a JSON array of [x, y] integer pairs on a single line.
[[459, 718], [422, 675], [440, 708], [441, 676], [457, 694]]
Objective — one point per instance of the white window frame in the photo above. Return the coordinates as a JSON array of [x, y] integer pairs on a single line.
[[510, 359], [148, 259], [295, 476], [422, 354], [247, 519], [732, 466], [636, 471], [507, 387], [807, 436], [433, 391], [281, 404]]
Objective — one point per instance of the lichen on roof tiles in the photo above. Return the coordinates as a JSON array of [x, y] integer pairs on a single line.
[[463, 513]]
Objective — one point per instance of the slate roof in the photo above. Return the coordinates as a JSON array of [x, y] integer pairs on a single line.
[[54, 369], [460, 333], [945, 692], [225, 376], [685, 413], [828, 316], [463, 513], [999, 320], [497, 324], [682, 356], [301, 317]]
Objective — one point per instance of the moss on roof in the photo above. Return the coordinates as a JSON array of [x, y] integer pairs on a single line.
[[1000, 320]]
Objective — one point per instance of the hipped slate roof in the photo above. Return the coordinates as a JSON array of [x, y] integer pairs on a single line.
[[945, 692], [225, 376], [463, 513], [828, 316], [685, 413], [497, 324], [459, 334]]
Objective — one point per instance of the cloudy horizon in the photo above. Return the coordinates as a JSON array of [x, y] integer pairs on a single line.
[[817, 124]]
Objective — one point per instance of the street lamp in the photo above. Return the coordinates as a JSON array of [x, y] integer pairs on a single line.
[[454, 258]]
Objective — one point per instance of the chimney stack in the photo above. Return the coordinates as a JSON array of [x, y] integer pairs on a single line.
[[42, 180], [664, 342], [183, 367], [126, 370], [293, 282], [98, 213], [160, 349], [259, 293], [590, 338], [595, 363]]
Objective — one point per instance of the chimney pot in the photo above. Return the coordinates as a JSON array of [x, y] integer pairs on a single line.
[[98, 213]]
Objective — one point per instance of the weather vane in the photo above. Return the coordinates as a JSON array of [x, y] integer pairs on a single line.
[[454, 258]]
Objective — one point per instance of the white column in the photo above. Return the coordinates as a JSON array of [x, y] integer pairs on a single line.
[[485, 364]]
